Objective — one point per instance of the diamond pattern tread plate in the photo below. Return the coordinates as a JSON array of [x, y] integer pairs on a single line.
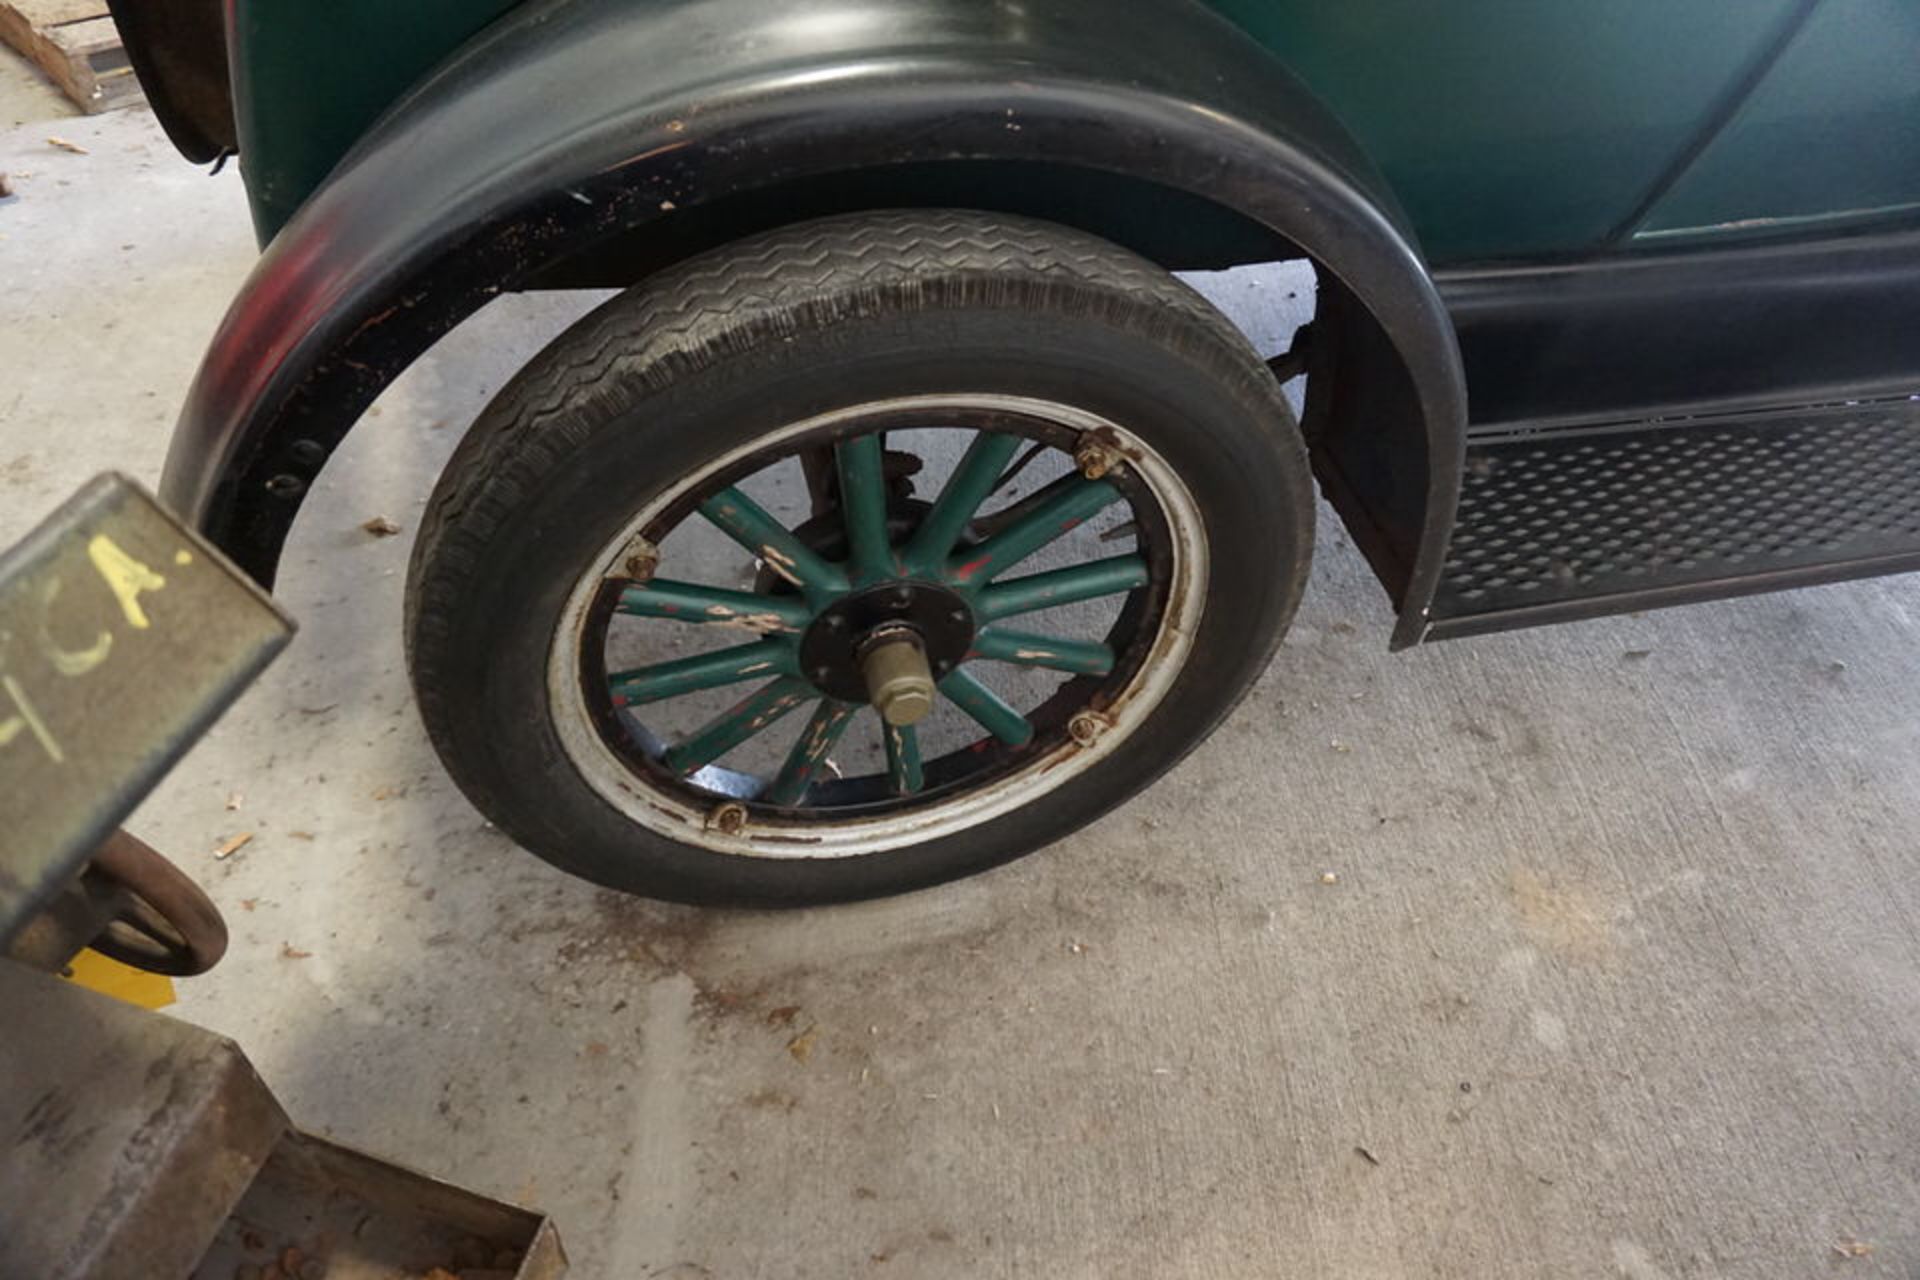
[[1571, 524]]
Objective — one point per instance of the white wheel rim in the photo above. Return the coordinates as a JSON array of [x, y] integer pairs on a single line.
[[684, 819]]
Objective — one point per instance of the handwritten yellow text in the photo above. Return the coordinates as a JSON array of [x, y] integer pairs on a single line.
[[125, 577]]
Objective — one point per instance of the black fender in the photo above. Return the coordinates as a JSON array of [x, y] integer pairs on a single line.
[[570, 122]]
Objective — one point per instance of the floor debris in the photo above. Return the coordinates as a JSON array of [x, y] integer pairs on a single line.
[[380, 527], [64, 145], [801, 1046], [290, 952], [232, 845]]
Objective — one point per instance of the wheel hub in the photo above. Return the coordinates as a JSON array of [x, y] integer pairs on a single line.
[[850, 635], [899, 683]]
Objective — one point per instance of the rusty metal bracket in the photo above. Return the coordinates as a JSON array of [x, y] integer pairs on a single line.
[[134, 1146], [167, 923]]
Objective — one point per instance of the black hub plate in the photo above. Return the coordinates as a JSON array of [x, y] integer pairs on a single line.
[[830, 649]]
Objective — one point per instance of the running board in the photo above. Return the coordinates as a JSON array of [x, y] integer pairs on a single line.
[[1580, 522]]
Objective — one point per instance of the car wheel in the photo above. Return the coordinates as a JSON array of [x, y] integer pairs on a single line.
[[855, 557]]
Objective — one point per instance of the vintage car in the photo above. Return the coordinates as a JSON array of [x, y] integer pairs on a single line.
[[903, 511]]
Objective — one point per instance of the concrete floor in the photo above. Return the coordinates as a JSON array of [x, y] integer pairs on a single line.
[[26, 95], [1617, 977]]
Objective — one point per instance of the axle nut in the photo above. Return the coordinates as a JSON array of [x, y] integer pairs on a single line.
[[899, 685]]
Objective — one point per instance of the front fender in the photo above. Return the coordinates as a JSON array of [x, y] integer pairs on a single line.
[[571, 121]]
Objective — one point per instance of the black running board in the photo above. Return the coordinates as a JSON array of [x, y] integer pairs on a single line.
[[1580, 522]]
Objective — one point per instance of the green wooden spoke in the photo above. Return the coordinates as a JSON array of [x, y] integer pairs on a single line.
[[715, 606], [987, 708], [903, 758], [810, 750], [703, 671], [973, 479], [863, 506], [1048, 520], [1084, 657], [749, 524], [1061, 586], [737, 724]]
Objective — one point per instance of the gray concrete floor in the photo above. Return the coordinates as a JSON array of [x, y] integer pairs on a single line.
[[1616, 977], [27, 96]]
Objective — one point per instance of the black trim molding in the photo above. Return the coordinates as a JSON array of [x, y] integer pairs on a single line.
[[1658, 335]]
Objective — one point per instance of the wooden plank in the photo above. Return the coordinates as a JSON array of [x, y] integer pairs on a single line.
[[96, 40], [54, 13], [95, 46], [15, 29], [18, 30], [77, 45]]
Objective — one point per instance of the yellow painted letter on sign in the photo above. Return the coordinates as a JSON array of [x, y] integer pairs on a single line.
[[125, 577]]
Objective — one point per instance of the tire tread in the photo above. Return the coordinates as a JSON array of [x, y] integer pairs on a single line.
[[735, 299]]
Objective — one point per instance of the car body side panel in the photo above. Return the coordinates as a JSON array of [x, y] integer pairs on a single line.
[[1506, 130], [1512, 130], [310, 79], [1831, 136]]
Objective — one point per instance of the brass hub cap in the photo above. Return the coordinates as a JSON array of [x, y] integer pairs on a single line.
[[899, 682]]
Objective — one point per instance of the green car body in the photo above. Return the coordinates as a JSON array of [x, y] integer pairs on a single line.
[[1505, 130], [1524, 217]]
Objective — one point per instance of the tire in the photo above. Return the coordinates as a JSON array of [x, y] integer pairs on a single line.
[[957, 315]]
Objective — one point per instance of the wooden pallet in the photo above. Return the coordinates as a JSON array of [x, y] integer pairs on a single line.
[[75, 43]]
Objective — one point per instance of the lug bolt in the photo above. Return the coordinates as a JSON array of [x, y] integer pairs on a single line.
[[729, 819], [1095, 457], [640, 560], [1086, 727]]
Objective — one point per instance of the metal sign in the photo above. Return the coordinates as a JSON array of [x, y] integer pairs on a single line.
[[123, 635]]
